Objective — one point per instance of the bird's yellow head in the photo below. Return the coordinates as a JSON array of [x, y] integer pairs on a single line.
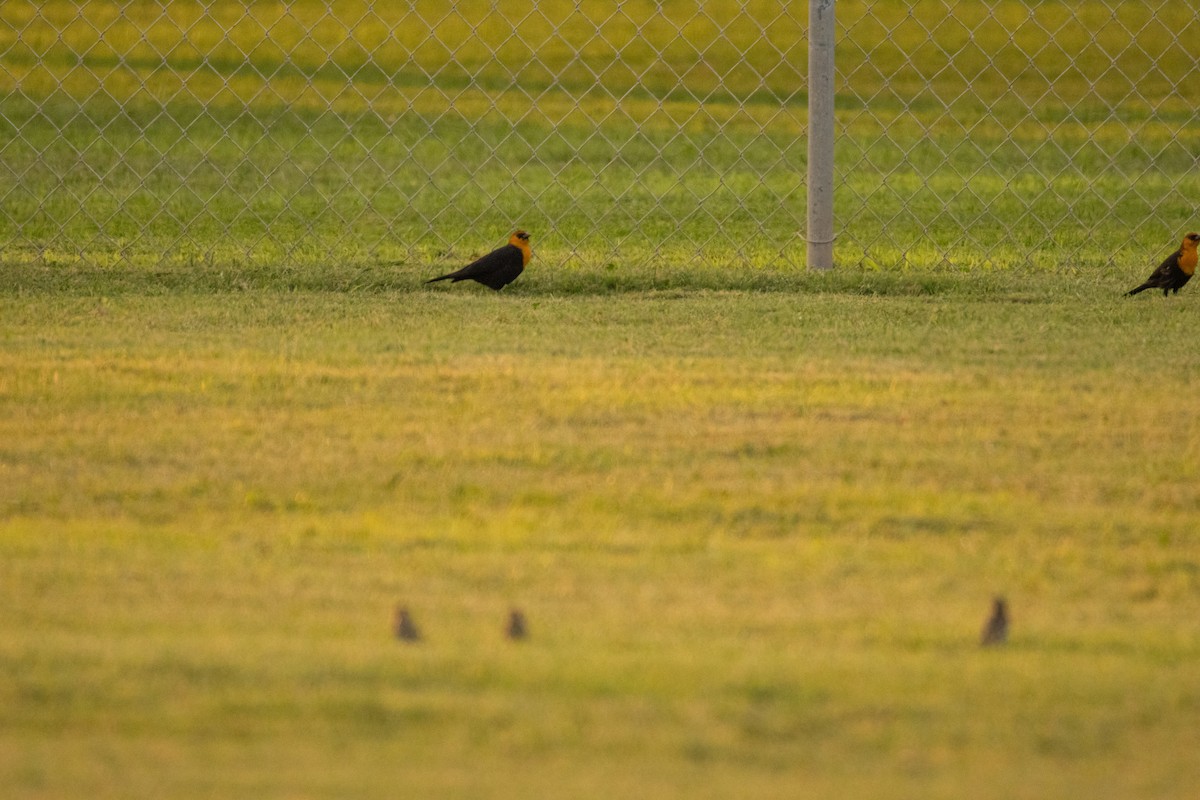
[[520, 239], [1187, 254]]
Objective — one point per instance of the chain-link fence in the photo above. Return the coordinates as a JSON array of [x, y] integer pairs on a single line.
[[1014, 132], [968, 131]]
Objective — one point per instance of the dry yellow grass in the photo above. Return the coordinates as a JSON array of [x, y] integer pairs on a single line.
[[756, 535]]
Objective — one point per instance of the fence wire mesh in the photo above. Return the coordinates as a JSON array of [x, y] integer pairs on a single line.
[[970, 132], [1014, 132]]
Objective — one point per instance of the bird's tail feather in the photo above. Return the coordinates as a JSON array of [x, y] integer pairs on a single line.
[[1141, 288]]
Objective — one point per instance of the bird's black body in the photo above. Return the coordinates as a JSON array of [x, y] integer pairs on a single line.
[[1168, 277], [1175, 270], [498, 268]]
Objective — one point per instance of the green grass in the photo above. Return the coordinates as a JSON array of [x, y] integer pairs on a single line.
[[755, 515], [755, 529], [999, 135]]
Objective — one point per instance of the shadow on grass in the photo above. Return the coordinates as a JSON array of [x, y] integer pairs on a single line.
[[1023, 286]]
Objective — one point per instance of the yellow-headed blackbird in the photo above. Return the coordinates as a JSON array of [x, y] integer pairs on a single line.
[[404, 627], [1175, 271], [995, 631], [498, 268]]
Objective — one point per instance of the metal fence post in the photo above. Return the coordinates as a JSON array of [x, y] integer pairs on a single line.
[[820, 133]]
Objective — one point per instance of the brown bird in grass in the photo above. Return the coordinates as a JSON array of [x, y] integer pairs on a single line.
[[996, 629], [498, 268], [517, 629], [404, 627], [1175, 271]]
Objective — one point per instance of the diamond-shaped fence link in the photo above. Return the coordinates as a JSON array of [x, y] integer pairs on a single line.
[[1012, 132], [970, 132]]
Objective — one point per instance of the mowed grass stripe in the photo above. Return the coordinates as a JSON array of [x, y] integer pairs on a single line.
[[755, 534], [303, 138]]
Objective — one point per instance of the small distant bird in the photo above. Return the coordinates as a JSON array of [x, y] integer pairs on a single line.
[[996, 629], [404, 627], [517, 629], [498, 268], [1175, 271]]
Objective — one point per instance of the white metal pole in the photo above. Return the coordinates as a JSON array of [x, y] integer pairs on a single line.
[[820, 133]]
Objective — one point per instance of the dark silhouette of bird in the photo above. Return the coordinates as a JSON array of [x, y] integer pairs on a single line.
[[498, 268], [1176, 270], [404, 627], [996, 629], [517, 629]]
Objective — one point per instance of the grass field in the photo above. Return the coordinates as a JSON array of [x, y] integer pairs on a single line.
[[755, 515], [756, 532], [971, 134]]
